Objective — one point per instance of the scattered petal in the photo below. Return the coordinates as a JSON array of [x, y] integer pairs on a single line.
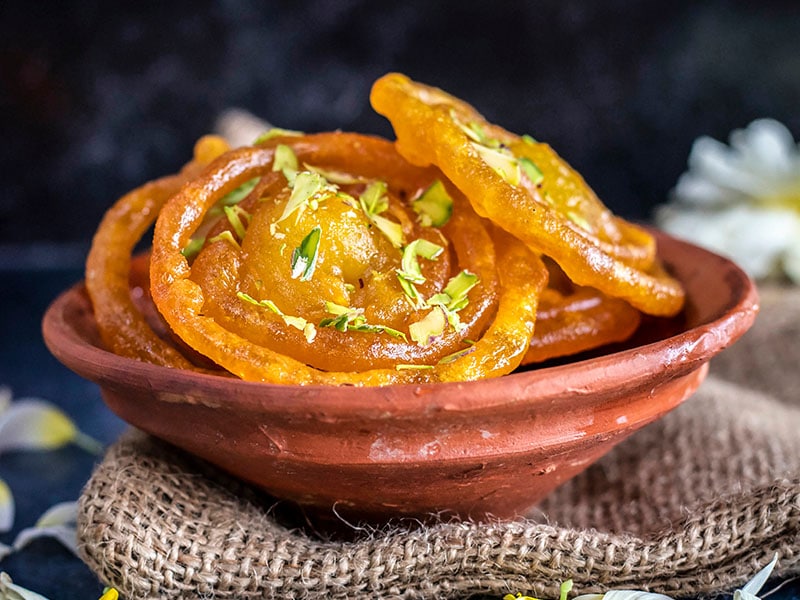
[[6, 507], [752, 587], [11, 591], [57, 522], [742, 200], [33, 424], [66, 535]]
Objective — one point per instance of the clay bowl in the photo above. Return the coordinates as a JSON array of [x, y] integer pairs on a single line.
[[492, 447]]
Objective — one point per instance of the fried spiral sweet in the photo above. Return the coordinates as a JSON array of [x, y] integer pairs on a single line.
[[528, 190], [316, 290], [459, 252]]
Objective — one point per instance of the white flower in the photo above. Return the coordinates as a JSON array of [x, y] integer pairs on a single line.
[[742, 200]]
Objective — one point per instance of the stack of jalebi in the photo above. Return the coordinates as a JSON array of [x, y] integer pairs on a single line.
[[458, 252]]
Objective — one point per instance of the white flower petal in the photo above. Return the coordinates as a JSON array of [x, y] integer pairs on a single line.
[[66, 535], [63, 513], [759, 579], [33, 424], [634, 595], [7, 507], [694, 190], [11, 591], [768, 145], [716, 162], [755, 239]]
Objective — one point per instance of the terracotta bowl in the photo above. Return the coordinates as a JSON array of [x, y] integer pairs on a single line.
[[492, 447]]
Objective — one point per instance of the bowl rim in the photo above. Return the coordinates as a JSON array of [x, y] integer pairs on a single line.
[[689, 350]]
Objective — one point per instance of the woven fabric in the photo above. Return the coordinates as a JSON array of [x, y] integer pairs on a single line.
[[693, 504]]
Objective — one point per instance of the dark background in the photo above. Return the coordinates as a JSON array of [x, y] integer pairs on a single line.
[[97, 97]]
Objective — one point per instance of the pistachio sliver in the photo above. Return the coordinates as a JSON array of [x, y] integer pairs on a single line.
[[431, 326], [285, 159], [434, 205], [304, 257], [501, 160], [531, 170], [274, 132]]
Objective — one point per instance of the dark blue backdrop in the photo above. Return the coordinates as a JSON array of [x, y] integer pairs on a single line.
[[97, 97]]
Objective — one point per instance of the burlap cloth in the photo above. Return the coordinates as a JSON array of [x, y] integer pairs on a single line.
[[693, 504]]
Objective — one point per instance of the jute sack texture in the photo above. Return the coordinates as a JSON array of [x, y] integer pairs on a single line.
[[694, 504]]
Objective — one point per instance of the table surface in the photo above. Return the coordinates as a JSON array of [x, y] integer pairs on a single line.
[[39, 480]]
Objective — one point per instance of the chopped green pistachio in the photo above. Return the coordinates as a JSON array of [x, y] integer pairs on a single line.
[[410, 264], [424, 331], [304, 257], [350, 287], [285, 159], [458, 287], [275, 132], [234, 214], [454, 297], [475, 132], [434, 205], [410, 272], [446, 360], [346, 319], [306, 187], [193, 247], [226, 236], [501, 160], [529, 140], [393, 231], [338, 177], [531, 170], [237, 195], [405, 367], [297, 322], [373, 201]]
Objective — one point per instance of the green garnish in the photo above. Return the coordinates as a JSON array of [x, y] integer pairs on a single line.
[[338, 177], [374, 201], [501, 160], [450, 358], [458, 287], [307, 188], [304, 257], [225, 236], [434, 205], [531, 170], [529, 139], [234, 214], [424, 331], [193, 247], [409, 263], [475, 132], [275, 132], [285, 161], [410, 272], [454, 297], [346, 319], [308, 329], [236, 196]]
